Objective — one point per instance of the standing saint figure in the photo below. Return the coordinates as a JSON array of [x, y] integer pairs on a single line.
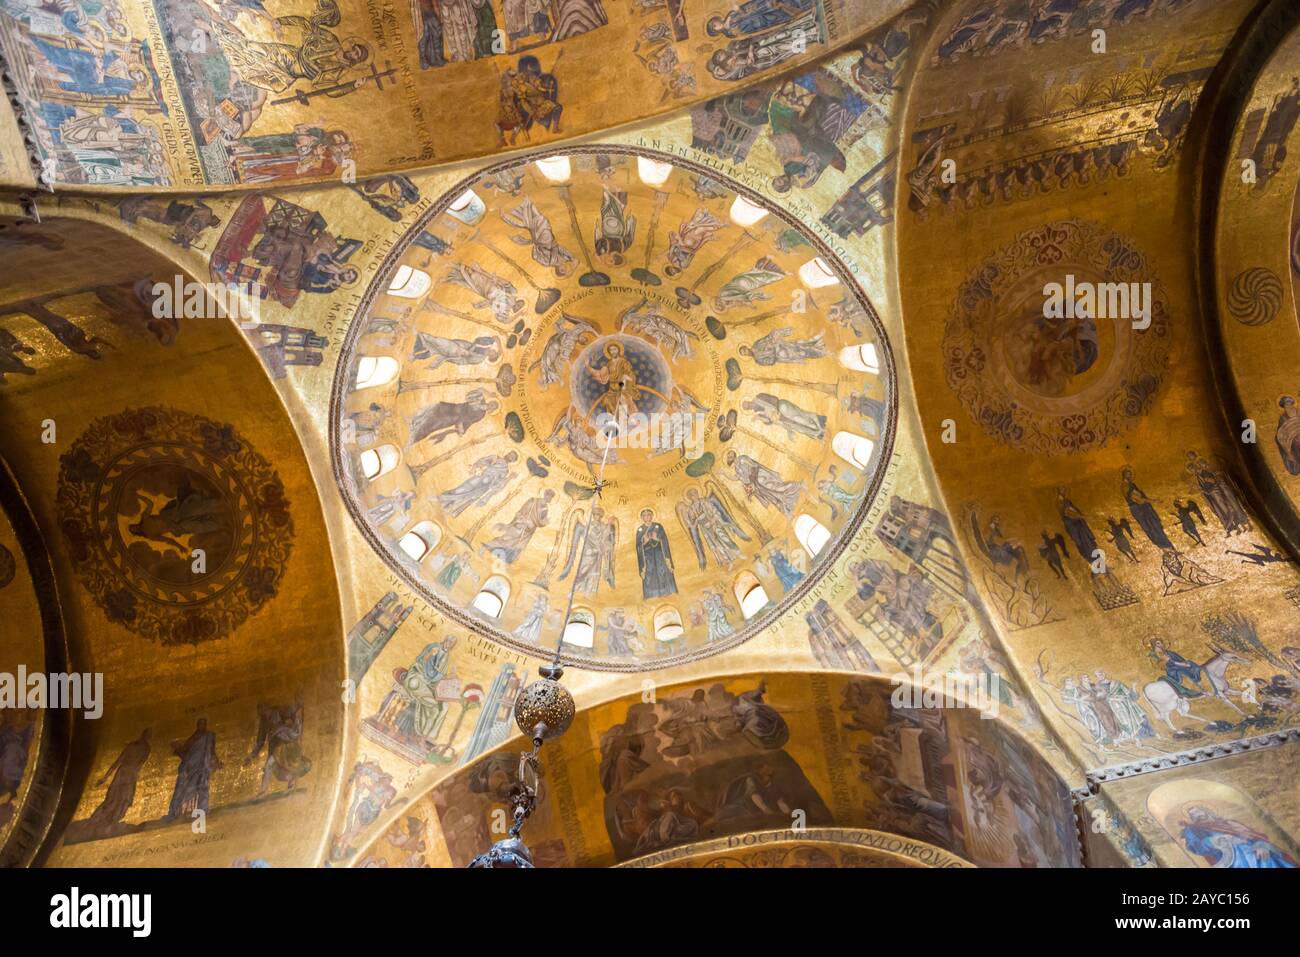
[[764, 484], [1223, 842], [615, 230], [746, 288], [654, 558], [685, 241], [782, 412], [491, 473], [494, 292], [1144, 512], [547, 250], [279, 731], [444, 419], [513, 536], [318, 56], [1288, 434], [1077, 527], [121, 792], [777, 347], [711, 528], [715, 613], [1218, 490], [198, 754]]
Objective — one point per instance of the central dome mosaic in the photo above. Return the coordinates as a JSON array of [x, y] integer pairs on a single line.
[[616, 312]]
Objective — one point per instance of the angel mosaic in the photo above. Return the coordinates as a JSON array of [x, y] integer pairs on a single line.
[[644, 319], [595, 561], [712, 529], [570, 333]]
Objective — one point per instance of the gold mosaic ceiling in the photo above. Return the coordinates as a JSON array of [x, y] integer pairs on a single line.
[[749, 385]]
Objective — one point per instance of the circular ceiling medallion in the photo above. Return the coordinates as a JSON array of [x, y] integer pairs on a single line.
[[547, 303], [1057, 384], [175, 525]]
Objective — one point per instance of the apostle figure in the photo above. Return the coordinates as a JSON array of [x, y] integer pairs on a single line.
[[494, 292], [460, 352], [547, 250], [715, 613], [1076, 526], [121, 792], [778, 347], [513, 537], [762, 483], [745, 289], [279, 731], [1144, 512], [198, 759], [685, 241], [615, 230], [444, 419], [491, 473], [1223, 842], [1218, 490], [624, 635], [531, 627], [756, 16], [429, 26], [526, 18], [654, 558], [711, 528], [570, 331], [784, 413], [318, 56], [1288, 434]]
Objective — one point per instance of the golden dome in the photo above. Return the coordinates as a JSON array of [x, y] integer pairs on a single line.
[[746, 381]]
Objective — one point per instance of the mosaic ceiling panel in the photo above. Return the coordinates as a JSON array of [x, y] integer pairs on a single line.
[[749, 383]]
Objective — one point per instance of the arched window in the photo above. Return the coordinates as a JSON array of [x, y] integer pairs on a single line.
[[863, 358], [420, 539], [668, 624], [376, 370], [812, 534], [409, 283], [491, 599], [379, 461], [750, 594], [745, 213], [854, 449], [555, 168], [653, 172], [467, 207], [580, 631], [815, 274]]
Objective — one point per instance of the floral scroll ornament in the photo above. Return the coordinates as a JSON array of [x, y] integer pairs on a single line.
[[1058, 385], [175, 525]]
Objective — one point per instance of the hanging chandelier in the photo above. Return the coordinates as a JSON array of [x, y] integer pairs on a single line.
[[543, 711]]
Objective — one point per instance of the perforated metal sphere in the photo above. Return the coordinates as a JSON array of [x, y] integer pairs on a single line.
[[547, 702], [509, 852]]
